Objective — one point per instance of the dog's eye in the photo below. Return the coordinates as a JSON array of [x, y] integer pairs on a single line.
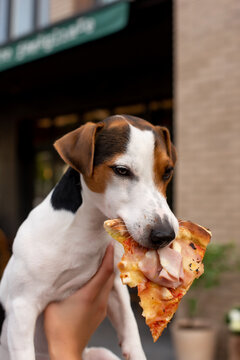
[[121, 170], [168, 173]]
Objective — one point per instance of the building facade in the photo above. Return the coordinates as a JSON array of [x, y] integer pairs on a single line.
[[207, 132]]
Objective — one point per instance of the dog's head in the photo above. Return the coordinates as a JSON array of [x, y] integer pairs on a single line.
[[126, 164]]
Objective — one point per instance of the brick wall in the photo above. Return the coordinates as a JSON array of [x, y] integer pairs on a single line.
[[207, 131], [207, 114], [62, 9]]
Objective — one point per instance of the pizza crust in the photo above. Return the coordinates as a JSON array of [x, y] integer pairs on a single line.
[[194, 232]]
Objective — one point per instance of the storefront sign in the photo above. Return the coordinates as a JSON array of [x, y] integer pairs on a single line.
[[71, 33]]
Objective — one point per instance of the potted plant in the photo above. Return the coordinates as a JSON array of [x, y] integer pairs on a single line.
[[195, 338], [233, 322]]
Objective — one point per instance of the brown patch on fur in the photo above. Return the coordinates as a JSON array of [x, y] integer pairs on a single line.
[[139, 123], [101, 176], [77, 147], [164, 157], [164, 133], [161, 162], [115, 121]]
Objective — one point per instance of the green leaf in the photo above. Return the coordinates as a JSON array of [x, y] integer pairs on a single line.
[[192, 307]]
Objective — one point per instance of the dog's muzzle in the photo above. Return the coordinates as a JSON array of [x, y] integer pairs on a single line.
[[162, 237], [162, 233]]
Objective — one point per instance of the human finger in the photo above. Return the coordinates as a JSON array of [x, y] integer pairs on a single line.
[[107, 287], [104, 272]]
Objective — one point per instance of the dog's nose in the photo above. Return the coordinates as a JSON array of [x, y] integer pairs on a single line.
[[162, 236]]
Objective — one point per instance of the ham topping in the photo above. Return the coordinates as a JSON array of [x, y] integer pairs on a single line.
[[150, 265], [164, 266], [171, 261], [165, 279]]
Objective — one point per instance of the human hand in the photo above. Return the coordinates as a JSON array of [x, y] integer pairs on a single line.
[[69, 324]]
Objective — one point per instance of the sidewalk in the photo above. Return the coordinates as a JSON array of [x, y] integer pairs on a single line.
[[161, 350]]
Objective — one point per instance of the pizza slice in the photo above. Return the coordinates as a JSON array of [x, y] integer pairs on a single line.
[[162, 276]]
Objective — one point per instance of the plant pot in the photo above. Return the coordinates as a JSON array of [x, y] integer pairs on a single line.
[[234, 347], [194, 339]]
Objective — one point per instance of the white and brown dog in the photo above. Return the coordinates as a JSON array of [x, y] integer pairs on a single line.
[[119, 167]]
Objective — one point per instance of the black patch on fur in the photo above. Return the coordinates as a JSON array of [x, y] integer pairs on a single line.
[[2, 316], [110, 142], [113, 140], [67, 193]]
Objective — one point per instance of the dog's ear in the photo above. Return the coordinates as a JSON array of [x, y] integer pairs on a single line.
[[77, 147], [171, 150]]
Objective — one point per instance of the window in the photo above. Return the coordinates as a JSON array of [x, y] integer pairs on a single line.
[[22, 17], [42, 13], [3, 21]]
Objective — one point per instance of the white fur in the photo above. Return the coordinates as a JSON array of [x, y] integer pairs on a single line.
[[52, 249]]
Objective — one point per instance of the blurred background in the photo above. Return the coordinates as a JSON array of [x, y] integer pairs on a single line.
[[173, 63]]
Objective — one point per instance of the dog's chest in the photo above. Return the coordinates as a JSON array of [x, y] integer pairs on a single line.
[[78, 262], [79, 268]]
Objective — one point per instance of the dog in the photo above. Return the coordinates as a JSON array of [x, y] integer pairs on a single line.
[[119, 167]]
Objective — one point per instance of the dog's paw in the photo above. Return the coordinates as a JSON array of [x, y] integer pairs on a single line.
[[98, 353], [133, 352], [134, 356]]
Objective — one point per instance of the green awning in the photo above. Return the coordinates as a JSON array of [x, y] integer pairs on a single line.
[[70, 33]]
